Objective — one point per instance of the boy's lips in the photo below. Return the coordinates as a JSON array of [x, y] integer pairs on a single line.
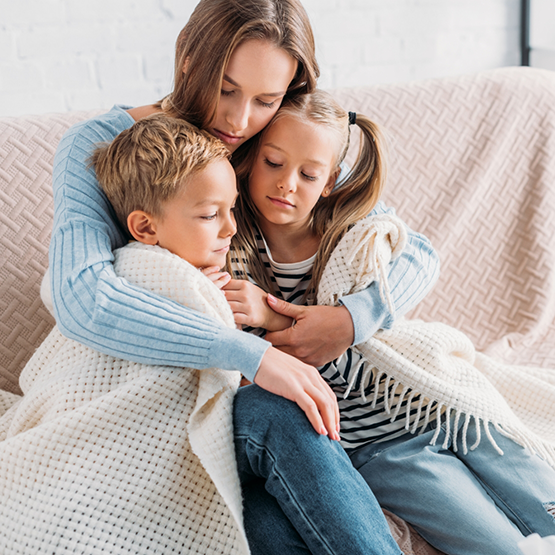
[[226, 137], [283, 202]]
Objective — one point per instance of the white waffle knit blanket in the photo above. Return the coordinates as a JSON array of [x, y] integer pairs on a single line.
[[101, 455], [436, 361]]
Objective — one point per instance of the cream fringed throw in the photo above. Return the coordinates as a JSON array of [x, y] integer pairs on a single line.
[[104, 455], [437, 361]]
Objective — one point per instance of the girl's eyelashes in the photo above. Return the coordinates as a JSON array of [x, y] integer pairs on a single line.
[[309, 177], [271, 164], [210, 216]]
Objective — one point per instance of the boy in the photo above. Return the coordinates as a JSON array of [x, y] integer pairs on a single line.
[[173, 186]]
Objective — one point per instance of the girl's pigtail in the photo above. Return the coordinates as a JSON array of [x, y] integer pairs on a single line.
[[354, 197]]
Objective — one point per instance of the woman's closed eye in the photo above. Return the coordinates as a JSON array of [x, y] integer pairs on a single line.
[[267, 104]]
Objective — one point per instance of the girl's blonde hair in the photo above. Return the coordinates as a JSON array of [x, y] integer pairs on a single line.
[[350, 201], [215, 29]]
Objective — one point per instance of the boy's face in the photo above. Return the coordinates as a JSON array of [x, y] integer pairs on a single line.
[[198, 223]]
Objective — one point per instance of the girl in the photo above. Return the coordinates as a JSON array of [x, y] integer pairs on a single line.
[[236, 60], [292, 211]]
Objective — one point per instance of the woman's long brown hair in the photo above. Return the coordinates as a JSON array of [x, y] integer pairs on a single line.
[[215, 29]]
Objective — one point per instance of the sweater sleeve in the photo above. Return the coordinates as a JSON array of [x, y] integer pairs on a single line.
[[105, 312], [411, 277]]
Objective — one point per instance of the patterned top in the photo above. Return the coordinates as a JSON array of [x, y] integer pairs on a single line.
[[360, 423]]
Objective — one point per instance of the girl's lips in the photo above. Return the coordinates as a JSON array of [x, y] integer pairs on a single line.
[[281, 202], [229, 139]]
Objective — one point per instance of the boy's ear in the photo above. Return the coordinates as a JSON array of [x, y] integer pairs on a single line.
[[143, 227], [331, 182]]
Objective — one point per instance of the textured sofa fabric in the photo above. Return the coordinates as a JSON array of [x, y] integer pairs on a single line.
[[472, 166]]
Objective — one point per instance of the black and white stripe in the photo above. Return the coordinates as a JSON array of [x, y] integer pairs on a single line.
[[360, 423]]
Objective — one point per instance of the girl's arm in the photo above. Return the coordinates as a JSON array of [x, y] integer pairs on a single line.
[[321, 334]]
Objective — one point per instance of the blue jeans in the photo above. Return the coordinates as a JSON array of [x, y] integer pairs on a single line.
[[301, 492], [478, 503]]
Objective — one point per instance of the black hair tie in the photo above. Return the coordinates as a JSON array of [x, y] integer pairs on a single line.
[[352, 118]]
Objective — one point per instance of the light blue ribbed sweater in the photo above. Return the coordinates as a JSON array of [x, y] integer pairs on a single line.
[[95, 307]]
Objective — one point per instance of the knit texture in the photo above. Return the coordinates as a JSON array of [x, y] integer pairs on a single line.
[[105, 455], [436, 361]]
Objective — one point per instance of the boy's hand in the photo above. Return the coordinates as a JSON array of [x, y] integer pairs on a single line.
[[288, 377], [220, 279], [250, 308]]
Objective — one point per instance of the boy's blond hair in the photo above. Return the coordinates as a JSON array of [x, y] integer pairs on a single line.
[[148, 163]]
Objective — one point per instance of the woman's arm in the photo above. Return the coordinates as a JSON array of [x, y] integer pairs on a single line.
[[321, 334], [97, 308], [105, 312]]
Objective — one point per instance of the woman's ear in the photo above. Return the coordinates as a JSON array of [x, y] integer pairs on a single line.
[[143, 227], [330, 185], [186, 64]]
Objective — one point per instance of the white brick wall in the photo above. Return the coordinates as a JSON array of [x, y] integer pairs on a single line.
[[58, 55]]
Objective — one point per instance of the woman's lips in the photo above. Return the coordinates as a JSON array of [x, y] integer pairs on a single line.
[[229, 139]]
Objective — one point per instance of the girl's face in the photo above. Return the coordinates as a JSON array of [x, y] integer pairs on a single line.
[[294, 167], [255, 82]]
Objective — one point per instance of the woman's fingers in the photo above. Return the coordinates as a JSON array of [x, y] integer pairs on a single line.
[[284, 375]]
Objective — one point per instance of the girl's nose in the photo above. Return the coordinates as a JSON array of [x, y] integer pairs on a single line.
[[287, 183]]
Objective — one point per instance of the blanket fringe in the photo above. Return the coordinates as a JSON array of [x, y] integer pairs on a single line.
[[447, 417]]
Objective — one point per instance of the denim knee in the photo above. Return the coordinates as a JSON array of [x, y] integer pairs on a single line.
[[257, 412]]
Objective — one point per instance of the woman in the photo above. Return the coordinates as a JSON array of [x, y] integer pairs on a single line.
[[235, 62]]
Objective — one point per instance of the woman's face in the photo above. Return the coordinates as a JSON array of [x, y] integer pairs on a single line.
[[255, 82]]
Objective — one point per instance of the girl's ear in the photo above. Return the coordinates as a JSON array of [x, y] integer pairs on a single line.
[[143, 227], [331, 182]]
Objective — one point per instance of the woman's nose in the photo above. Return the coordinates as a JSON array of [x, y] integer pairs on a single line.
[[238, 116]]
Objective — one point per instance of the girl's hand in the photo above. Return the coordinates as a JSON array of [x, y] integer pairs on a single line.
[[319, 335], [220, 279], [284, 375], [249, 306]]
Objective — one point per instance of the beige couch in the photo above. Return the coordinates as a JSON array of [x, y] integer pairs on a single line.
[[472, 166]]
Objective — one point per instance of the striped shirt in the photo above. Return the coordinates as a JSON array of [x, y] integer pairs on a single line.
[[360, 423]]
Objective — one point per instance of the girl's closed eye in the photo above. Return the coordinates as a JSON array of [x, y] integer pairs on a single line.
[[210, 216], [271, 164], [309, 177]]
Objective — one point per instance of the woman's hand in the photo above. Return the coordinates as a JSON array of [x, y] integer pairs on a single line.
[[319, 335], [288, 377], [249, 306], [220, 279]]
